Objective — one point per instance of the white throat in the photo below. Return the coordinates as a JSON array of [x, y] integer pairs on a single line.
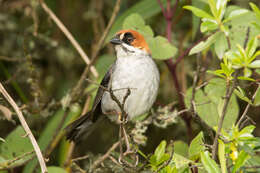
[[125, 50]]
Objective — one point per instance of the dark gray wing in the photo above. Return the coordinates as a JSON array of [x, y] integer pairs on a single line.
[[96, 108], [84, 125]]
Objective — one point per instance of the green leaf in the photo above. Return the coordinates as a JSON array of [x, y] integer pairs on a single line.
[[242, 158], [251, 47], [145, 8], [160, 151], [235, 13], [180, 161], [246, 133], [221, 8], [198, 12], [255, 9], [136, 22], [181, 148], [255, 64], [196, 147], [213, 8], [209, 164], [55, 169], [257, 98], [16, 144], [246, 78], [204, 44], [241, 94], [221, 156], [221, 45], [208, 25], [161, 48]]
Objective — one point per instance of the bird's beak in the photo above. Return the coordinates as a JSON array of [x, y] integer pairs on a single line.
[[115, 41]]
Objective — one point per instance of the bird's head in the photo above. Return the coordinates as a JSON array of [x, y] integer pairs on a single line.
[[130, 42]]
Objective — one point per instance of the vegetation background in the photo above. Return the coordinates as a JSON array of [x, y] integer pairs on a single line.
[[204, 74]]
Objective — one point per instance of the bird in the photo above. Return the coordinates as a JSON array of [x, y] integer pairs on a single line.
[[133, 79]]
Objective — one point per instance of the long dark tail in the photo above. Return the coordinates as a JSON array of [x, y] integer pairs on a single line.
[[80, 127]]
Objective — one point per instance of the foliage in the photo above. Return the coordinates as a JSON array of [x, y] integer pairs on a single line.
[[215, 92]]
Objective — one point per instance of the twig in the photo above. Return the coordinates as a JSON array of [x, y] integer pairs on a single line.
[[8, 164], [247, 37], [26, 128], [104, 35], [10, 59], [80, 158], [69, 36], [78, 168], [105, 156], [229, 91], [248, 106], [78, 86]]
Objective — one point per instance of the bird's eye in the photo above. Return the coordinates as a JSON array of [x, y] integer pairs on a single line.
[[130, 40]]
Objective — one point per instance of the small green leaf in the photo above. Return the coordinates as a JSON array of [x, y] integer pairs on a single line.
[[242, 158], [241, 94], [209, 164], [208, 25], [161, 48], [221, 45], [196, 147], [235, 13], [221, 8], [55, 169], [198, 12], [255, 64], [257, 98], [245, 78], [247, 72], [213, 8], [180, 161], [16, 144], [221, 156], [181, 148], [251, 47], [136, 22], [204, 44], [160, 150], [255, 9]]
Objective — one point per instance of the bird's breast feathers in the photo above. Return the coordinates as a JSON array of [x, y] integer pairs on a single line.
[[141, 76]]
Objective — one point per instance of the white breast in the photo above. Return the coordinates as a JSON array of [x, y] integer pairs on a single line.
[[141, 76]]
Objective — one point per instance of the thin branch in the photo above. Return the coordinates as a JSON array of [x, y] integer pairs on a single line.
[[69, 36], [229, 91], [104, 35], [9, 163], [105, 156], [248, 106], [11, 59], [26, 128], [247, 37], [78, 86]]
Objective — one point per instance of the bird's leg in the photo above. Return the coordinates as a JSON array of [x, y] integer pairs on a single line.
[[120, 144]]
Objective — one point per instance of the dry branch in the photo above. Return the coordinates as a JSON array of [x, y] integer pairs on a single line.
[[69, 36], [26, 128]]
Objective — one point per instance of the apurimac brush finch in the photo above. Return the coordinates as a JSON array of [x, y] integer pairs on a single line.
[[133, 69]]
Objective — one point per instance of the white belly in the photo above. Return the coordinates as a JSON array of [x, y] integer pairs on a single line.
[[141, 76]]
